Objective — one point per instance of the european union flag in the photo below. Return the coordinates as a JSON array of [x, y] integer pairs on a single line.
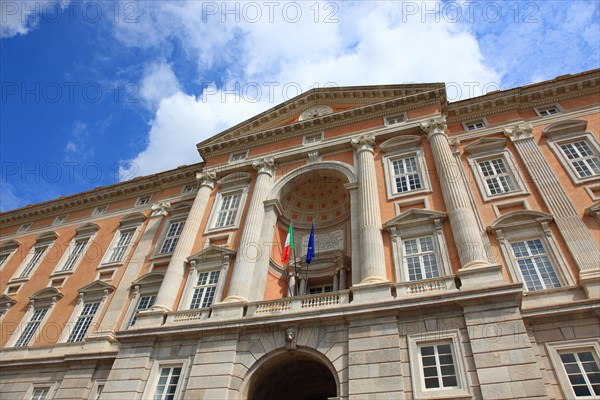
[[311, 245]]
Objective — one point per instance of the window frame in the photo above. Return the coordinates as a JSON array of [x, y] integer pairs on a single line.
[[421, 170], [512, 170], [147, 285], [143, 201], [24, 227], [436, 252], [216, 208], [556, 142], [86, 232], [466, 124], [388, 119], [46, 241], [60, 219], [539, 275], [232, 156], [306, 139], [7, 250], [539, 109], [131, 222], [100, 210], [51, 386], [165, 235], [555, 348], [154, 376], [452, 337]]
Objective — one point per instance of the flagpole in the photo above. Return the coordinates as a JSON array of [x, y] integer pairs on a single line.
[[287, 275], [295, 266]]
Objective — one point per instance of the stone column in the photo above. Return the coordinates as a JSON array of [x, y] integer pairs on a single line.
[[352, 189], [247, 256], [303, 288], [336, 282], [119, 299], [343, 278], [577, 237], [372, 260], [165, 300], [462, 219], [272, 212]]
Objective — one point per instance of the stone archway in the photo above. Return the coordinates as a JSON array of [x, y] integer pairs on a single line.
[[292, 376]]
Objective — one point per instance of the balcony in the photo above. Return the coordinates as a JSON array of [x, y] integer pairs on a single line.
[[298, 303]]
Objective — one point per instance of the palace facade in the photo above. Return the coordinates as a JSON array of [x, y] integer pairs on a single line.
[[457, 256]]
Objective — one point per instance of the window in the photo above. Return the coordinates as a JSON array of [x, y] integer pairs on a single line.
[[437, 366], [143, 201], [313, 138], [84, 320], [101, 210], [474, 125], [420, 258], [167, 383], [239, 156], [396, 119], [497, 178], [122, 244], [534, 264], [406, 175], [172, 237], [189, 189], [40, 393], [38, 252], [3, 259], [60, 220], [320, 289], [75, 253], [228, 210], [204, 291], [145, 303], [583, 372], [545, 111], [494, 169], [582, 158], [31, 327], [437, 363], [24, 228]]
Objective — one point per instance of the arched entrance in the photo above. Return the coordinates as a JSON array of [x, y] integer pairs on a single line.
[[292, 376]]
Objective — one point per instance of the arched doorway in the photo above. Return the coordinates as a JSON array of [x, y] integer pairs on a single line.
[[292, 376]]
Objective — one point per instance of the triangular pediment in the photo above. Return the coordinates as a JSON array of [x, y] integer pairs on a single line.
[[337, 103], [96, 286], [6, 301], [486, 144], [413, 217], [210, 252]]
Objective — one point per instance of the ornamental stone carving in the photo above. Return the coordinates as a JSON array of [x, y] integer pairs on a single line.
[[207, 177], [435, 126], [519, 132], [160, 208], [290, 339], [363, 142], [264, 165]]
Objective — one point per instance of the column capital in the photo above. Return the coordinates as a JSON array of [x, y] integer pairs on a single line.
[[160, 209], [519, 132], [454, 145], [265, 165], [207, 177], [435, 126], [363, 142]]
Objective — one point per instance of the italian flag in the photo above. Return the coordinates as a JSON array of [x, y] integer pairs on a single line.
[[288, 246]]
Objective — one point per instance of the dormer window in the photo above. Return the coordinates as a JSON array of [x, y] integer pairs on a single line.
[[546, 111]]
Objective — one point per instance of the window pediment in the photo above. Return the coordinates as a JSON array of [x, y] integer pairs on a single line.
[[132, 219], [95, 288], [414, 217], [151, 278], [211, 253], [234, 179], [565, 127], [9, 246], [181, 208], [87, 229], [520, 219], [46, 237], [486, 144], [6, 302], [400, 143], [46, 296]]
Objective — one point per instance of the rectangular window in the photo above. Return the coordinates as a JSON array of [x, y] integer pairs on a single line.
[[189, 189], [320, 289], [497, 178], [59, 220], [143, 201], [548, 110], [100, 210], [471, 126], [314, 138], [37, 256], [420, 258], [583, 372], [396, 119], [172, 237], [31, 327], [167, 383], [84, 320], [40, 393], [145, 303], [406, 174], [437, 363], [24, 228], [206, 287], [3, 258], [582, 158], [76, 252], [229, 208], [119, 249], [534, 264], [238, 156]]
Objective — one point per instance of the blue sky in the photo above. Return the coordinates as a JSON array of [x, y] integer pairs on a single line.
[[98, 92]]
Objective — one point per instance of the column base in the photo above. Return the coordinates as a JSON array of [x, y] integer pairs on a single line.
[[150, 319], [372, 292], [228, 310], [476, 275], [590, 281]]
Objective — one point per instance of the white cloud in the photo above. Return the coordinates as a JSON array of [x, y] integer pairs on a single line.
[[20, 17], [159, 82]]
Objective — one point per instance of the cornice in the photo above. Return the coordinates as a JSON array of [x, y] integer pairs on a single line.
[[298, 129], [102, 194]]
